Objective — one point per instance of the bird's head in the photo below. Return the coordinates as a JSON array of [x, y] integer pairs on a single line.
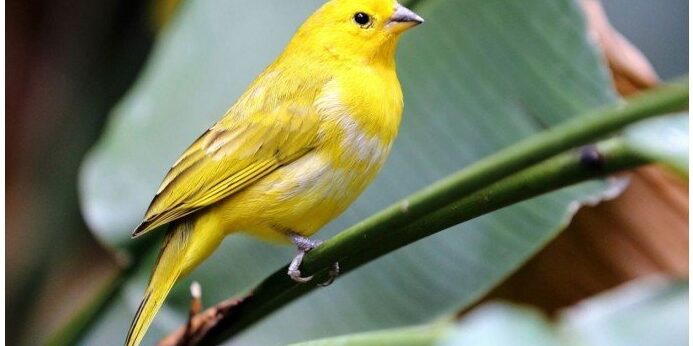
[[365, 30]]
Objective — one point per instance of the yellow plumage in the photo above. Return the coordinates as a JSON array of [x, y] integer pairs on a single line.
[[293, 152]]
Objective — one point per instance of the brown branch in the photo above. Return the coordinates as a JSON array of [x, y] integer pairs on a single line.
[[195, 307], [199, 323]]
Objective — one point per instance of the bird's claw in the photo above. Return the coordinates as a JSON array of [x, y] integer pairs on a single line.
[[304, 245], [333, 273], [296, 276], [294, 272]]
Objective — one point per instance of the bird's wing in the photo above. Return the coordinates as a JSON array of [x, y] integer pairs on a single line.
[[243, 147]]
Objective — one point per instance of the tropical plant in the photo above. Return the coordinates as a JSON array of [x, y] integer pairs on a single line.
[[510, 117]]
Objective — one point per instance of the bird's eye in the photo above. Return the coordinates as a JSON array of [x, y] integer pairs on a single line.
[[362, 19]]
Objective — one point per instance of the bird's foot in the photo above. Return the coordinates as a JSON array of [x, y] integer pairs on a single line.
[[304, 245], [294, 272], [333, 273]]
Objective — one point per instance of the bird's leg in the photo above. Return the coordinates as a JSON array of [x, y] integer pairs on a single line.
[[304, 245], [293, 272]]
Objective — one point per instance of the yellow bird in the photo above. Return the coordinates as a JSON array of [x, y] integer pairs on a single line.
[[295, 150]]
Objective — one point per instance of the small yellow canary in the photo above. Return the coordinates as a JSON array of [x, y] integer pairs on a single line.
[[295, 150]]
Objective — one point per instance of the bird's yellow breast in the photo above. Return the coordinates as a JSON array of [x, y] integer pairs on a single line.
[[358, 124]]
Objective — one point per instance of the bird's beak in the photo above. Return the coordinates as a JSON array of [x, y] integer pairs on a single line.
[[403, 19]]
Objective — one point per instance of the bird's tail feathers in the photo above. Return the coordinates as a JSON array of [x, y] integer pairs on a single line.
[[167, 270]]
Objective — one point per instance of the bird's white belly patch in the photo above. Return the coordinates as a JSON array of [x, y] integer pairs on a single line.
[[315, 177], [359, 145], [312, 176], [356, 143]]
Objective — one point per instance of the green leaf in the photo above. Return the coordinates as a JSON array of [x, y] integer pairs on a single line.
[[650, 311], [411, 336], [663, 139], [477, 76]]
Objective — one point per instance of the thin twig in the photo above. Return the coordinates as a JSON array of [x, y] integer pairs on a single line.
[[199, 323], [195, 307]]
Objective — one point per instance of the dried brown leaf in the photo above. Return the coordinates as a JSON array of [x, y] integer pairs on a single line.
[[630, 69]]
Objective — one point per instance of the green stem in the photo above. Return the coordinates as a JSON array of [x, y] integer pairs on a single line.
[[579, 130], [445, 201], [372, 242]]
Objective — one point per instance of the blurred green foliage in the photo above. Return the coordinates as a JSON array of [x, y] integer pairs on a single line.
[[663, 139]]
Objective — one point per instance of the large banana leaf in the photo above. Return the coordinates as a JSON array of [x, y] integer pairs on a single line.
[[477, 76], [650, 311]]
